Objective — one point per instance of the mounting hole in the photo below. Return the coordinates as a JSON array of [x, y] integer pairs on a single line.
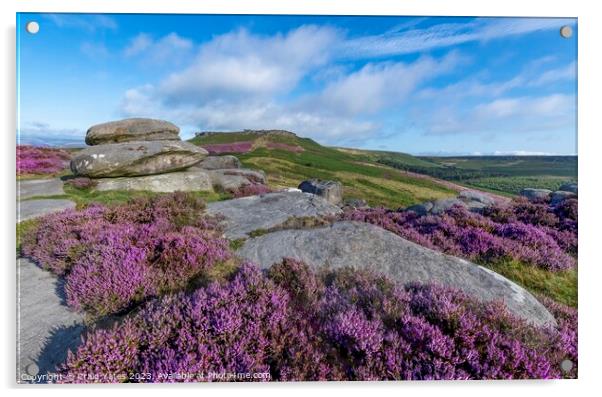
[[32, 369], [566, 365], [32, 27], [566, 31]]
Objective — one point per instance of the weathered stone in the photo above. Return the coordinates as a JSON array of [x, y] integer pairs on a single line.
[[136, 129], [421, 209], [46, 327], [569, 187], [472, 195], [29, 209], [559, 196], [136, 158], [234, 179], [184, 181], [248, 214], [39, 187], [442, 205], [365, 246], [536, 194], [219, 162], [332, 191], [355, 203]]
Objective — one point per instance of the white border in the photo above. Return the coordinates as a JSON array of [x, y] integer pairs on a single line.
[[589, 165]]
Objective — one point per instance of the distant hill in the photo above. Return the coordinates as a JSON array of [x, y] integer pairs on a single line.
[[288, 159]]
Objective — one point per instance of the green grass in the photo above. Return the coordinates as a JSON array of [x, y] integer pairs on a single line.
[[514, 184], [559, 286], [24, 228]]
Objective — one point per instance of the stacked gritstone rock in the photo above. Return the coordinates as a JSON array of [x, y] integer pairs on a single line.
[[147, 154]]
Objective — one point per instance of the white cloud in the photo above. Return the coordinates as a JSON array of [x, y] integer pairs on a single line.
[[171, 48], [88, 22], [94, 50], [568, 72]]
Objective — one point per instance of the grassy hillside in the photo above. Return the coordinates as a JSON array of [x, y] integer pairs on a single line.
[[297, 159]]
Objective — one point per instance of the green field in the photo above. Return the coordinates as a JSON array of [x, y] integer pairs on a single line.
[[361, 176]]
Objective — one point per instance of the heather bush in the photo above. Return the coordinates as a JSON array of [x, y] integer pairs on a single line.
[[235, 147], [115, 257], [533, 233], [33, 160], [81, 183], [252, 189], [297, 324]]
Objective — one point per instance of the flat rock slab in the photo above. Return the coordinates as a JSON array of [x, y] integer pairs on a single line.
[[46, 328], [30, 209], [135, 129], [39, 187], [136, 158], [365, 246], [248, 214], [184, 181]]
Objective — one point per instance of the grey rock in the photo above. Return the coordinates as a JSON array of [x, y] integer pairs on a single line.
[[421, 209], [46, 327], [39, 187], [219, 162], [29, 209], [355, 203], [536, 194], [184, 181], [569, 187], [332, 191], [472, 195], [248, 214], [135, 129], [136, 158], [559, 196], [476, 206], [233, 179], [442, 205], [364, 246]]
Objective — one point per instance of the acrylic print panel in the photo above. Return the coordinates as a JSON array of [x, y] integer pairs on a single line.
[[278, 198]]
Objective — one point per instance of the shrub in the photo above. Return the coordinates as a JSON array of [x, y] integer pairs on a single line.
[[252, 189], [296, 324], [33, 160], [532, 233], [114, 257], [235, 147]]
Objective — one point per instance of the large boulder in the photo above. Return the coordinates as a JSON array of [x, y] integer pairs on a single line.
[[442, 205], [474, 196], [234, 179], [136, 158], [569, 187], [260, 213], [219, 162], [135, 129], [559, 196], [536, 194], [421, 209], [331, 191], [184, 181], [365, 246]]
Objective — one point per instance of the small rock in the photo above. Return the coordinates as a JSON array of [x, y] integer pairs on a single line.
[[184, 181], [559, 196], [442, 205], [421, 209], [536, 194], [136, 129], [30, 209], [39, 187], [355, 203], [569, 187], [136, 158], [248, 214], [332, 191], [480, 197], [365, 246], [219, 162]]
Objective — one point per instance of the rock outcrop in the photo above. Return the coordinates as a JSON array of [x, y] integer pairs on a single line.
[[219, 162], [184, 181], [246, 215], [536, 194], [135, 129], [569, 187], [559, 196], [136, 158], [331, 191], [470, 199], [365, 246]]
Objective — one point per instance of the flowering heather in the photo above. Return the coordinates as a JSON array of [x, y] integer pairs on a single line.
[[114, 257], [81, 183], [252, 189], [284, 146], [33, 160], [295, 324], [235, 147], [537, 234]]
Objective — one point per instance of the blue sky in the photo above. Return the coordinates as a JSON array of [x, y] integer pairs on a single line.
[[410, 84]]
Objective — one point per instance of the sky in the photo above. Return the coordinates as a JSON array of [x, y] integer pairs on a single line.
[[420, 85]]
